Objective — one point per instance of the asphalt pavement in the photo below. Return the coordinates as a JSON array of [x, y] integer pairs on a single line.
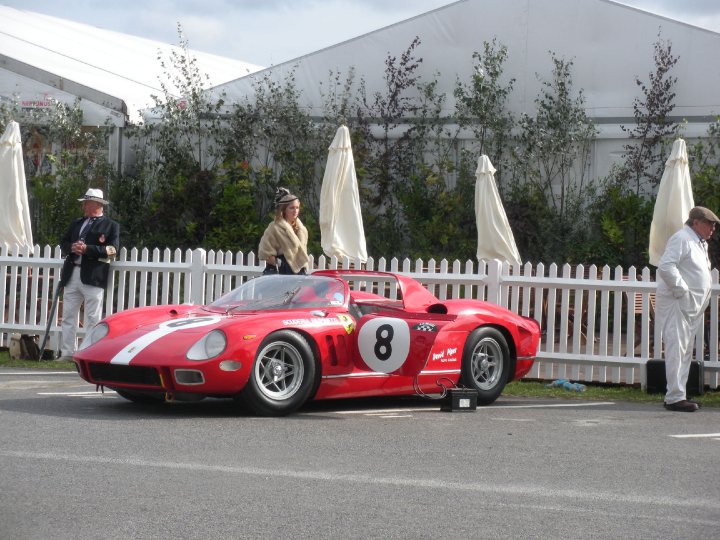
[[76, 463]]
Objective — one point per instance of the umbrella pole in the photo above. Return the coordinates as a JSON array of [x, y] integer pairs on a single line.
[[51, 316]]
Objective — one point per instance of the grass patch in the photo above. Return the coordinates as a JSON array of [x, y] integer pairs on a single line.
[[599, 392], [6, 361]]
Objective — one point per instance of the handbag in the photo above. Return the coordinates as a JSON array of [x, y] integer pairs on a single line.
[[284, 266]]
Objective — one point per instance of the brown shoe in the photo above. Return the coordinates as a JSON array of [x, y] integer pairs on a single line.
[[682, 406]]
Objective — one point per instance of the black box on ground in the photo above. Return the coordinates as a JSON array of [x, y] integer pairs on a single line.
[[657, 383], [460, 399]]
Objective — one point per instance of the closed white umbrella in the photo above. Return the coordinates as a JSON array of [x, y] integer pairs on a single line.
[[15, 225], [341, 225], [673, 203], [495, 237]]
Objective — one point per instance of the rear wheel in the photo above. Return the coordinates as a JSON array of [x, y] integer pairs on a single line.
[[283, 375], [486, 364]]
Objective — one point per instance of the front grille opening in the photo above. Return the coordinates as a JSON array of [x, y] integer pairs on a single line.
[[110, 373]]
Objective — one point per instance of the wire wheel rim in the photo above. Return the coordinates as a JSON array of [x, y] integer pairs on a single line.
[[279, 371], [487, 364]]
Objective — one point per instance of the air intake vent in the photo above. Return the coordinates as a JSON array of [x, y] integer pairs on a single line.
[[109, 373]]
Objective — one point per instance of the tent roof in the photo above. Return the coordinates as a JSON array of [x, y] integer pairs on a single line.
[[105, 62], [610, 44]]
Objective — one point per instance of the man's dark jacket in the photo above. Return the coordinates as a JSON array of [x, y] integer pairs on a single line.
[[102, 233]]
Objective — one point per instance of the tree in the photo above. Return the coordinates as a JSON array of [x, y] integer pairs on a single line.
[[552, 162], [440, 220], [704, 157], [9, 111], [232, 214], [78, 160], [174, 179], [481, 106], [387, 158], [282, 146], [644, 159], [623, 212]]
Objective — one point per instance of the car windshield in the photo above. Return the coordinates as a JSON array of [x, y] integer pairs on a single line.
[[283, 292]]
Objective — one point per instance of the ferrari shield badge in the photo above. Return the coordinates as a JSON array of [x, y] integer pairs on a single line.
[[348, 323]]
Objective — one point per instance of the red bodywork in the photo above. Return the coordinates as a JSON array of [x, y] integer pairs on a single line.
[[380, 334]]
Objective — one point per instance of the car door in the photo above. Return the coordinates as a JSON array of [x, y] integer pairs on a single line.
[[395, 342]]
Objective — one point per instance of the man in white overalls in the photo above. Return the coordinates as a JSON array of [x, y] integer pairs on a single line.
[[683, 293]]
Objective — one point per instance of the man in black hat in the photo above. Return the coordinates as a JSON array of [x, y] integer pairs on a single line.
[[90, 242], [683, 293]]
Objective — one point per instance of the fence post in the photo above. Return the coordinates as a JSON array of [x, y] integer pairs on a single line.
[[197, 276], [494, 281]]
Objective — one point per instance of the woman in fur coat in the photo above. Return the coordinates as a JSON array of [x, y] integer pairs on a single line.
[[284, 243]]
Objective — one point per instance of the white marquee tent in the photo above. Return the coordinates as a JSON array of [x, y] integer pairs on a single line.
[[44, 58], [610, 44]]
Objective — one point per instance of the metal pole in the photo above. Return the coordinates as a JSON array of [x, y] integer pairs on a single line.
[[51, 316]]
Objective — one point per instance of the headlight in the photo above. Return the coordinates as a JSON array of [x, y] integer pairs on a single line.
[[96, 333], [212, 344]]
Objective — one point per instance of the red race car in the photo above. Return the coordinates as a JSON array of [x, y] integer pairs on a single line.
[[277, 341]]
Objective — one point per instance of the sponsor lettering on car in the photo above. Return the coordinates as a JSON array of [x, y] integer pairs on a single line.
[[312, 321]]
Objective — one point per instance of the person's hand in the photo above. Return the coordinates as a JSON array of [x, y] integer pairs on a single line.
[[78, 247], [679, 292], [272, 260]]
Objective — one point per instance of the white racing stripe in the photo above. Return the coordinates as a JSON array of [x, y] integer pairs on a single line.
[[131, 350]]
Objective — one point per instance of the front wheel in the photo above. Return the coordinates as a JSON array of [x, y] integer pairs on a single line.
[[486, 364], [283, 375]]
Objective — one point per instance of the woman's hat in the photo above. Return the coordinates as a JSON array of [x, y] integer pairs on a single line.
[[283, 196], [93, 194]]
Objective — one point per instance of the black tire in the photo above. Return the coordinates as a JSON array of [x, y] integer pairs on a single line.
[[283, 375], [141, 397], [486, 364]]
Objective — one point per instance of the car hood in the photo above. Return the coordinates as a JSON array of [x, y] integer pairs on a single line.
[[154, 334]]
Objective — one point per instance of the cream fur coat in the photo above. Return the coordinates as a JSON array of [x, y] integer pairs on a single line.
[[280, 239]]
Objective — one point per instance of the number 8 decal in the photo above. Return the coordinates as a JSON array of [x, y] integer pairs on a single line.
[[384, 344]]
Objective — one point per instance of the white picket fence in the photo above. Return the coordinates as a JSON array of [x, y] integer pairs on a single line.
[[597, 323]]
